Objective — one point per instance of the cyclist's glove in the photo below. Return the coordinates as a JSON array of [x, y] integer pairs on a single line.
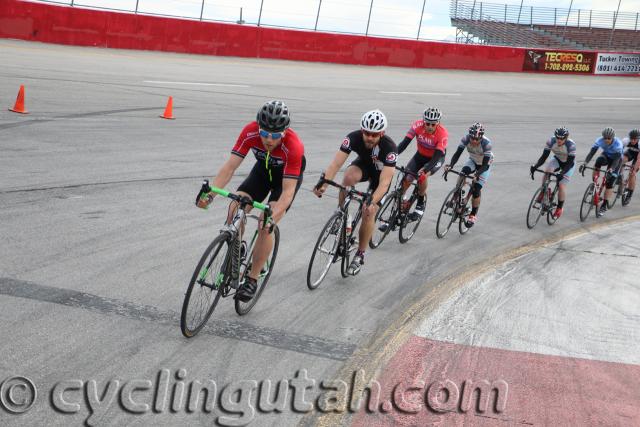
[[532, 170], [559, 176]]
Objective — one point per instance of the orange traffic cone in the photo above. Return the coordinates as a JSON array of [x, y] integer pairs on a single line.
[[168, 111], [19, 107]]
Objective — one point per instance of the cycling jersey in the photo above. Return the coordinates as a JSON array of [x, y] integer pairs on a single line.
[[287, 156], [562, 152], [428, 143], [374, 159], [477, 152], [631, 150], [609, 150]]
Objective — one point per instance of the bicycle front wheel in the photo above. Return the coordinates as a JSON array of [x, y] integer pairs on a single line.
[[243, 308], [408, 227], [587, 202], [325, 251], [447, 215], [385, 221], [206, 286], [535, 209], [462, 223]]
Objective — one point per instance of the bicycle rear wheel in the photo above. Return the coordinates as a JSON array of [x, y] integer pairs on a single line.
[[462, 223], [386, 217], [587, 202], [325, 251], [206, 286], [243, 308], [447, 215], [535, 209], [408, 228]]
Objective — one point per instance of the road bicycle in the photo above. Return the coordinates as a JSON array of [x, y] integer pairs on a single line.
[[594, 194], [456, 205], [225, 262], [337, 240], [544, 200], [395, 212]]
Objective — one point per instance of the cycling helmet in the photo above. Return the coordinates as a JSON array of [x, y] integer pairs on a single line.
[[373, 121], [476, 130], [274, 116], [561, 132], [608, 133], [634, 134], [432, 115]]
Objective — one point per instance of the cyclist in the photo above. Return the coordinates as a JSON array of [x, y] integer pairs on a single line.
[[377, 154], [611, 157], [631, 155], [480, 159], [564, 161], [279, 171], [431, 137]]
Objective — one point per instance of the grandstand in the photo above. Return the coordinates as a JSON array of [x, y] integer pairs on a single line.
[[544, 27]]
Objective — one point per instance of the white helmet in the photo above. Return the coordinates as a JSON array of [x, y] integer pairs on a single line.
[[432, 115], [373, 121]]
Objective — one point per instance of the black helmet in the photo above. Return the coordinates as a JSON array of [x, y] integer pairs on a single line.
[[634, 134], [476, 130], [561, 132], [608, 133], [274, 116]]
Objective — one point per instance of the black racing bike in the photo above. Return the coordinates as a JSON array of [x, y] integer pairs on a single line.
[[395, 212], [337, 240], [544, 200], [456, 206], [225, 262]]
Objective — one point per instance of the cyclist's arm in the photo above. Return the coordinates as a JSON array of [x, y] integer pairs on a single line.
[[485, 165], [386, 175], [591, 154], [225, 173], [279, 208], [336, 164], [543, 158], [456, 156], [437, 155], [404, 144]]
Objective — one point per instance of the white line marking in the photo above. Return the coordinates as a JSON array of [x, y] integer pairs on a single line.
[[194, 83], [611, 99], [424, 93]]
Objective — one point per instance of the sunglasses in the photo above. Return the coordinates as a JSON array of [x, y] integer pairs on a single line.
[[371, 134], [475, 138], [273, 135], [561, 138], [431, 124]]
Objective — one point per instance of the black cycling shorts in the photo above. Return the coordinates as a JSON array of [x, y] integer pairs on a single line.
[[368, 174], [418, 161], [257, 184], [603, 160], [632, 155]]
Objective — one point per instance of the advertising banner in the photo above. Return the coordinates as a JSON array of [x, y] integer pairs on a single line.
[[557, 61], [618, 63]]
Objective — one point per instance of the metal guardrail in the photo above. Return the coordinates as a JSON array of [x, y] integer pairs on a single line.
[[478, 22]]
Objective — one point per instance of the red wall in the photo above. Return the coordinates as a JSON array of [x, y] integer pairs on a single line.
[[74, 26]]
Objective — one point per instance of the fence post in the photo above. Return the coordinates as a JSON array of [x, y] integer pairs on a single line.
[[567, 20], [369, 19], [317, 16], [240, 21], [531, 17], [480, 11], [520, 11], [202, 11], [136, 11], [555, 16], [579, 17], [473, 9], [424, 2], [506, 27], [636, 29], [615, 18], [590, 13], [260, 13], [71, 3]]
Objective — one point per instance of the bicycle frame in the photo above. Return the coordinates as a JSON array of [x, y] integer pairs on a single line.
[[546, 204]]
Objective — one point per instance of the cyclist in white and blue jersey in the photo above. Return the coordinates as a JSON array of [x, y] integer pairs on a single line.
[[480, 159], [611, 157], [562, 165]]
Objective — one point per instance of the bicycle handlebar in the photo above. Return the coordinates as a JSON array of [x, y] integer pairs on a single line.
[[551, 174], [351, 190], [456, 172], [243, 200]]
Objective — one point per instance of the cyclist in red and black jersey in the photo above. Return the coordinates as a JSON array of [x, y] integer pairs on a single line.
[[278, 172], [432, 139], [377, 154]]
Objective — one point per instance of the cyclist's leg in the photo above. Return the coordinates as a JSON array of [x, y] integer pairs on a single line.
[[562, 186], [356, 172], [255, 186], [414, 165], [610, 181], [368, 220], [476, 190]]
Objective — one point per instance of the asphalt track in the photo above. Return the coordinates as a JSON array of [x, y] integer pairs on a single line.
[[100, 235]]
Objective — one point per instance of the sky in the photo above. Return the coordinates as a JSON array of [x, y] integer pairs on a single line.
[[390, 18]]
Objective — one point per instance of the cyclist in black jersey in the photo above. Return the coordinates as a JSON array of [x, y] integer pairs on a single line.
[[632, 148], [377, 154]]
